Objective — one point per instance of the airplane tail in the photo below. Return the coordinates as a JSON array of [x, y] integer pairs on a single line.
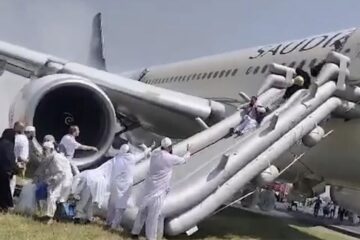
[[96, 54]]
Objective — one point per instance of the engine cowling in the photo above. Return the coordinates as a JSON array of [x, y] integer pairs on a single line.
[[55, 102], [347, 198]]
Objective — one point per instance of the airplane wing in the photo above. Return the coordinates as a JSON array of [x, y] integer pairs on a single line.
[[91, 98]]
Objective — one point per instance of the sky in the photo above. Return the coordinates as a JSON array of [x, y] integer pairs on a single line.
[[142, 33]]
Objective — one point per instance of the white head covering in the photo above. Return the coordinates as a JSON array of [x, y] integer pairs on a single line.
[[166, 142], [48, 145], [124, 148], [29, 129], [49, 138]]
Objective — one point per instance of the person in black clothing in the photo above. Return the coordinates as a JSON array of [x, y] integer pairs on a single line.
[[7, 168], [301, 81]]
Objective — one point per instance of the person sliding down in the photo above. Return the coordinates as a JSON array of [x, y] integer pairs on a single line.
[[52, 173], [122, 176], [157, 185], [301, 81], [254, 113]]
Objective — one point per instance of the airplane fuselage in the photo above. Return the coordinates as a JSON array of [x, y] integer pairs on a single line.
[[222, 77]]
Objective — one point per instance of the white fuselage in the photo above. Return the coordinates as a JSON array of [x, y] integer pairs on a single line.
[[222, 77]]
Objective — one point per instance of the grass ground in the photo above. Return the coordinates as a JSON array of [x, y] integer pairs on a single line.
[[230, 224]]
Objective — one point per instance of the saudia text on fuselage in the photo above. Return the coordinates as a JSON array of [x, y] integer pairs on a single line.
[[321, 41]]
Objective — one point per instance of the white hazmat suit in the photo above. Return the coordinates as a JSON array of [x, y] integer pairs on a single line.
[[122, 176], [91, 188], [52, 171], [157, 185]]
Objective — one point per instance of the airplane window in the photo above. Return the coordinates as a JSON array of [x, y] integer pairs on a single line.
[[222, 73], [292, 64], [256, 69], [194, 76], [184, 78], [227, 73], [215, 74], [171, 78], [188, 78], [313, 62], [209, 75], [180, 78], [198, 76], [234, 72], [203, 76], [176, 78], [248, 70], [302, 64], [263, 70]]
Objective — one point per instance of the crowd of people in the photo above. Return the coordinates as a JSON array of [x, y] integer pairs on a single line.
[[55, 179]]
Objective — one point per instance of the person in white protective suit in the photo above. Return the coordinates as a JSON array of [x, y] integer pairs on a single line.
[[122, 176], [52, 172], [253, 116], [157, 186], [89, 189]]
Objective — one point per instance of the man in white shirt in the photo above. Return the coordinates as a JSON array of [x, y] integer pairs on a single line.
[[21, 150], [157, 186], [68, 143]]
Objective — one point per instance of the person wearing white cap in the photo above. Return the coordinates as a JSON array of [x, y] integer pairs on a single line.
[[51, 172], [122, 176], [35, 151], [157, 186]]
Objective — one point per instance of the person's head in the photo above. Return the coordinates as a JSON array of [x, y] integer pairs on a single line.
[[9, 134], [49, 138], [19, 127], [125, 148], [253, 100], [30, 132], [338, 45], [74, 130], [166, 144], [48, 148]]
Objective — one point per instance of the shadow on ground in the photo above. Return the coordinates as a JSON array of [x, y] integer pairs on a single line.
[[235, 223]]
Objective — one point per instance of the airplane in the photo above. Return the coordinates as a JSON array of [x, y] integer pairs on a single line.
[[197, 99]]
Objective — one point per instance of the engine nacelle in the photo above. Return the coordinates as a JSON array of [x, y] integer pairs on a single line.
[[55, 102], [347, 198]]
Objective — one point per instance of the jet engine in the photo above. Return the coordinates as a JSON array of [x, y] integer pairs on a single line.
[[347, 198], [55, 102]]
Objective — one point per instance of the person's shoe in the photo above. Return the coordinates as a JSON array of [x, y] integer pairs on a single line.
[[50, 221], [77, 220], [134, 236]]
